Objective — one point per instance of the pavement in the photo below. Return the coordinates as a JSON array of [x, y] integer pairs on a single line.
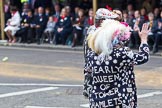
[[57, 47], [53, 77]]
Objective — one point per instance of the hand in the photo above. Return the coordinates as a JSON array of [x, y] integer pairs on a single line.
[[37, 26], [159, 24], [143, 34], [26, 25], [59, 29]]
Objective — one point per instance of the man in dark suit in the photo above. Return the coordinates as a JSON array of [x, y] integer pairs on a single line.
[[63, 28], [25, 26], [40, 22], [136, 25]]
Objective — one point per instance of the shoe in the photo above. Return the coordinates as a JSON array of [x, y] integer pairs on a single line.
[[73, 45], [13, 41]]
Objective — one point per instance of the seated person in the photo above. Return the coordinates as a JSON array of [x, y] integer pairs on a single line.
[[89, 21], [78, 27], [13, 25], [136, 24], [49, 29], [25, 25], [39, 24], [63, 28], [155, 33]]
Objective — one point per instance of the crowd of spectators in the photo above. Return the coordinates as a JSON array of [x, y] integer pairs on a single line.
[[67, 25]]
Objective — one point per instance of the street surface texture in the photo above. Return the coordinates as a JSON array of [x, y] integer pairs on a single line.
[[40, 78]]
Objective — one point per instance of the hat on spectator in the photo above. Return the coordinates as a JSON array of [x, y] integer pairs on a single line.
[[103, 13]]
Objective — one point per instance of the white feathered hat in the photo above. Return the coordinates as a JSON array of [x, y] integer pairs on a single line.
[[103, 13], [101, 41]]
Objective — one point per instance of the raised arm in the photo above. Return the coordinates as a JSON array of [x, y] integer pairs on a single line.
[[142, 56]]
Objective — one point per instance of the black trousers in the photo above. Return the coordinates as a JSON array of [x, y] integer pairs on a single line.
[[155, 38], [135, 40], [39, 32], [31, 34], [23, 33], [60, 37]]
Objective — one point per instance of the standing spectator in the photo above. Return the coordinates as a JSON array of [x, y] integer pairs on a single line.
[[86, 5], [63, 28], [13, 25], [76, 12], [69, 13], [25, 10], [130, 11], [57, 12], [147, 4], [156, 13], [126, 18], [155, 33], [49, 31], [40, 22], [89, 21], [48, 12], [143, 13], [136, 25], [7, 11], [78, 27]]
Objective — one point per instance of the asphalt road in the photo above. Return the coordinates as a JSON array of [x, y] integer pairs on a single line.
[[38, 78]]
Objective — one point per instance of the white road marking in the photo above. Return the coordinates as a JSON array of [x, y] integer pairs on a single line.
[[27, 92], [38, 84], [85, 105], [139, 96], [149, 94], [43, 107]]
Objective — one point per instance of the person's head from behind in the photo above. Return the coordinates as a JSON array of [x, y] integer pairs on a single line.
[[143, 11], [40, 10], [91, 13], [63, 12], [151, 16], [81, 13], [57, 7], [110, 33], [137, 14]]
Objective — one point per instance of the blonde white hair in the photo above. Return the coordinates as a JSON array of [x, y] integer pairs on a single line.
[[101, 40]]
